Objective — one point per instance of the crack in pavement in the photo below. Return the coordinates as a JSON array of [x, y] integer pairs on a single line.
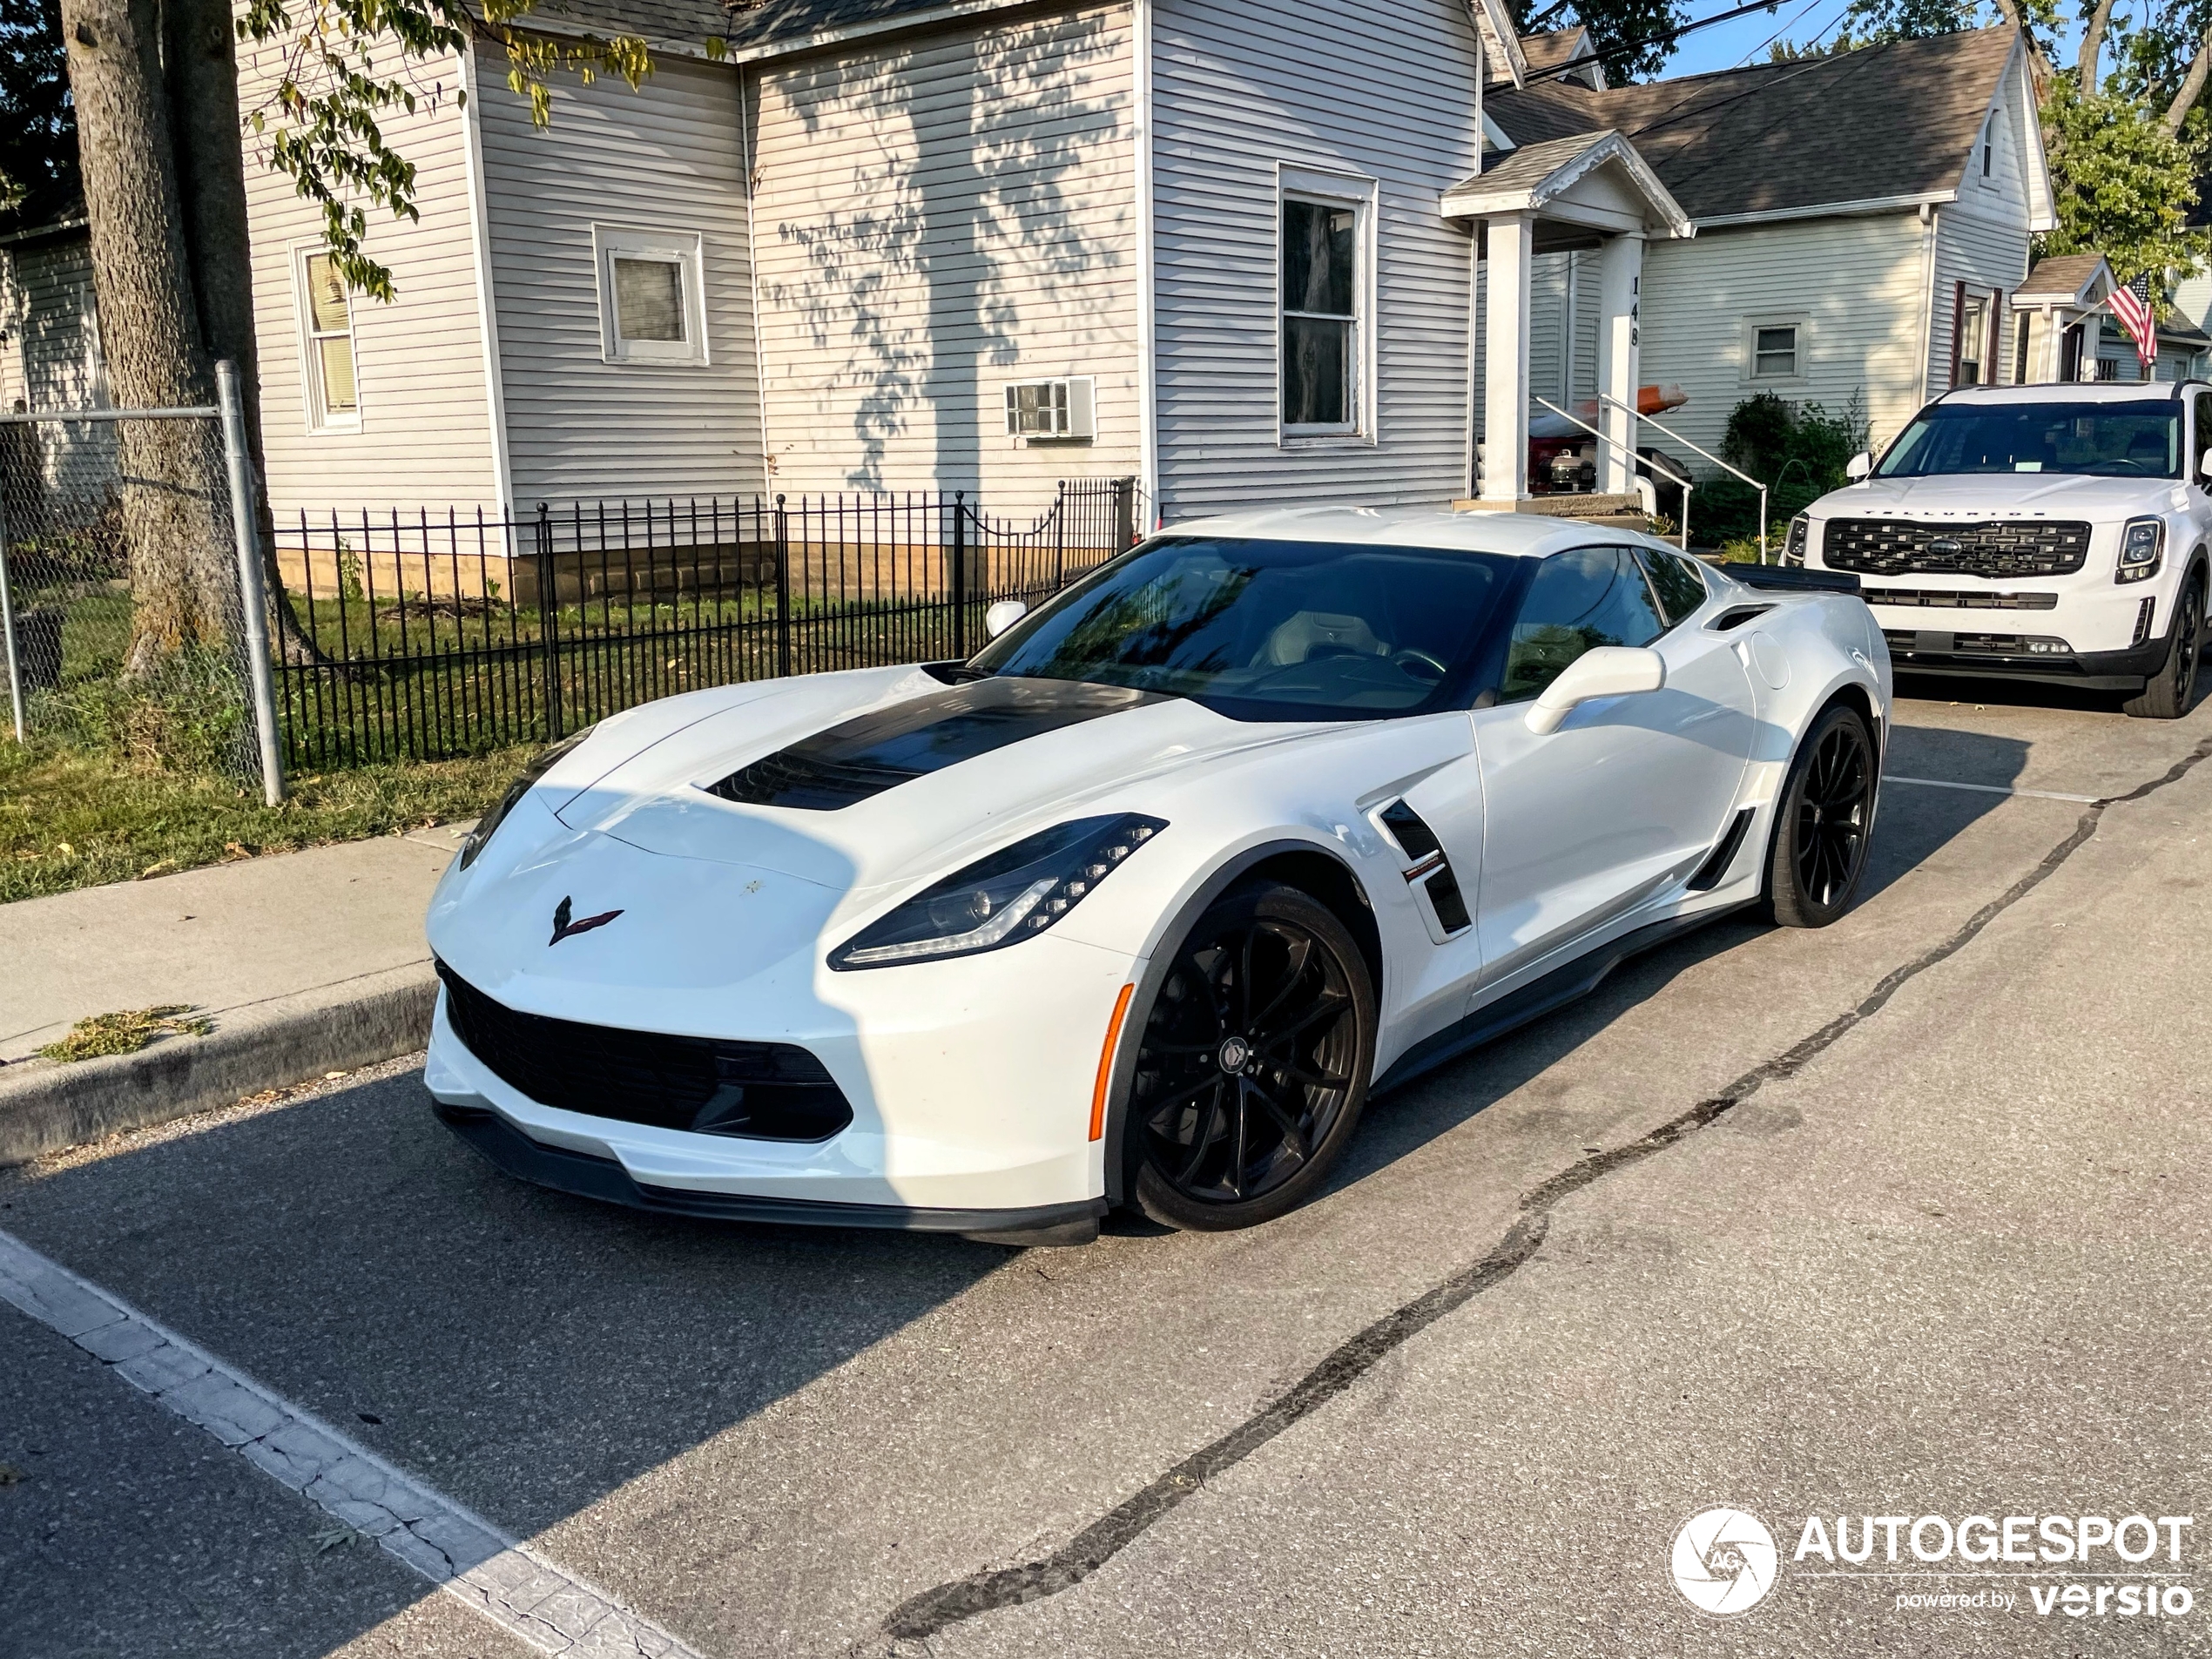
[[934, 1610], [503, 1581]]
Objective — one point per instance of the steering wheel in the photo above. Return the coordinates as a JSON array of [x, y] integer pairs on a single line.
[[1418, 664]]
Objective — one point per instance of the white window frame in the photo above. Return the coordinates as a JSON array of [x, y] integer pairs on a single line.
[[1797, 351], [1359, 192], [320, 418], [1985, 164], [684, 249]]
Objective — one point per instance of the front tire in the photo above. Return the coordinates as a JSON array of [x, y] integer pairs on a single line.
[[2167, 696], [1824, 823], [1252, 1064]]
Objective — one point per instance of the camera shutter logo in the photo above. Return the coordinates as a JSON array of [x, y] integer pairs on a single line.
[[1724, 1561]]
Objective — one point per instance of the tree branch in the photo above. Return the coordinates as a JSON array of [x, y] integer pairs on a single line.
[[2092, 40], [2192, 88]]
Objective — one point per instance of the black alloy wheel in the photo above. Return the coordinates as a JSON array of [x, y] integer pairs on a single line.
[[2168, 695], [1825, 822], [1253, 1062]]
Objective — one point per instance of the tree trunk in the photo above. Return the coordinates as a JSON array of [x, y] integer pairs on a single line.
[[149, 326], [2092, 40], [200, 49], [2192, 87]]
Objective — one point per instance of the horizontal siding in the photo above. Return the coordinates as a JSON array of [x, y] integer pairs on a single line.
[[1331, 85], [51, 361], [1988, 256], [425, 436], [1854, 286], [668, 157], [932, 219]]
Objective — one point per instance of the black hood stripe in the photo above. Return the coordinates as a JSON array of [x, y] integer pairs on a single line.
[[872, 753]]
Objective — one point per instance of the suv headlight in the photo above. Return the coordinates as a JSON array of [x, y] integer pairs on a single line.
[[521, 785], [2140, 545], [1018, 891], [1793, 551]]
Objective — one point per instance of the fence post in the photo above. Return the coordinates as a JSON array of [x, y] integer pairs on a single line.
[[252, 597], [8, 630], [548, 621], [783, 591], [1124, 514], [1059, 537], [959, 573]]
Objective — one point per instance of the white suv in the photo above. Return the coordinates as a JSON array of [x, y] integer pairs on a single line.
[[2044, 532]]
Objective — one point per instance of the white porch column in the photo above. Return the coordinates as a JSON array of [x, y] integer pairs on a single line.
[[1505, 361], [1620, 276]]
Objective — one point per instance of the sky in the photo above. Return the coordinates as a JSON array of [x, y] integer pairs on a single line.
[[1744, 39]]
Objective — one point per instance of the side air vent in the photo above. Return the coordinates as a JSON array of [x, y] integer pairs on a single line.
[[1714, 868], [1431, 871], [2142, 620], [1736, 616]]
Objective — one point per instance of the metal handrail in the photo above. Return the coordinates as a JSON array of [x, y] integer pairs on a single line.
[[1633, 458], [197, 412], [1639, 415]]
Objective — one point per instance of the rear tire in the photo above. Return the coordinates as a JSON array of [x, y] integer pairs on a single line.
[[2168, 694], [1824, 823], [1252, 1064]]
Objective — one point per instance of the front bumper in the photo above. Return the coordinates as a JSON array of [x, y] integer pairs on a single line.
[[970, 1083], [1928, 651]]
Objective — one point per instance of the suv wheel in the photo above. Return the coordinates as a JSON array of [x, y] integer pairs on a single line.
[[2168, 695]]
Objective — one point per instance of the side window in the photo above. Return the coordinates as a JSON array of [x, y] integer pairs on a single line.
[[1321, 347], [1679, 582], [651, 304], [1592, 597], [326, 321], [2203, 438]]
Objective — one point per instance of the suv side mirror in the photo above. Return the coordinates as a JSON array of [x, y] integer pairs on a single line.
[[1604, 671], [1002, 616], [1858, 466], [2204, 467]]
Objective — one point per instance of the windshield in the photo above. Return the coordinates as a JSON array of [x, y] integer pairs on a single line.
[[1268, 630], [2133, 440]]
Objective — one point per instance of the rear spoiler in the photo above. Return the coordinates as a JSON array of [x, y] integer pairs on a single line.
[[1793, 578]]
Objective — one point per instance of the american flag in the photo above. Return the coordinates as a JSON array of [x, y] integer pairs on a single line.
[[2131, 304]]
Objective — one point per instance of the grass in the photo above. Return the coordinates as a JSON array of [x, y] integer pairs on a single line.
[[77, 817], [124, 1033]]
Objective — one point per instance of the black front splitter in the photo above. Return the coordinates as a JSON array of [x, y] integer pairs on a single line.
[[580, 1173]]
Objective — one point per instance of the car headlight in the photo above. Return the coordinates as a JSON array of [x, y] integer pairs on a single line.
[[1793, 551], [2140, 545], [521, 785], [1015, 893]]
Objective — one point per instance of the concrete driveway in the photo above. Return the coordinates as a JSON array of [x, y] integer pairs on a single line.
[[1907, 1219]]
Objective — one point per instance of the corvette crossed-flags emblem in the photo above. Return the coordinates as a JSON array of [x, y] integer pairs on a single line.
[[563, 928]]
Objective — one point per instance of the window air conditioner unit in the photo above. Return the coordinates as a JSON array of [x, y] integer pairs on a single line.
[[1050, 409]]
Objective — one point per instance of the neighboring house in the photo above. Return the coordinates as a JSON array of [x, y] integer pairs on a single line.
[[1861, 223], [49, 358], [836, 245]]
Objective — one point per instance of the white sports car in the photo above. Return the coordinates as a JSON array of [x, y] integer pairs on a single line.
[[1139, 905]]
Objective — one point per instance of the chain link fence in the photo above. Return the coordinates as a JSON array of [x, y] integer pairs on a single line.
[[131, 606]]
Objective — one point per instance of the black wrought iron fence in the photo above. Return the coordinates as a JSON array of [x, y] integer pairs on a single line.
[[424, 636]]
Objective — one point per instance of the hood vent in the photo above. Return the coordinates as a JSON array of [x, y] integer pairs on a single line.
[[863, 757]]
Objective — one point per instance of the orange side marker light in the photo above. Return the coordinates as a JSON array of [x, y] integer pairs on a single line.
[[1106, 1065]]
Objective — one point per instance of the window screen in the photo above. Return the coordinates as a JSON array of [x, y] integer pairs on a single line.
[[1320, 315], [1592, 597], [648, 299], [1774, 352]]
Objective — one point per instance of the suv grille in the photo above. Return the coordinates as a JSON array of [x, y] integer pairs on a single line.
[[760, 1090], [2008, 548]]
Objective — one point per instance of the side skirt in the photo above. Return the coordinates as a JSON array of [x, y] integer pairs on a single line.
[[1566, 983]]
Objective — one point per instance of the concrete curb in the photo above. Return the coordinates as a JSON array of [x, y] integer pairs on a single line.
[[286, 1040]]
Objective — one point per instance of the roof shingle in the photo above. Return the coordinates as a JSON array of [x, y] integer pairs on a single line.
[[1883, 121]]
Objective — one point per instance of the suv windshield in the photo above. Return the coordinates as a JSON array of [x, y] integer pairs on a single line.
[[1268, 630], [2132, 440]]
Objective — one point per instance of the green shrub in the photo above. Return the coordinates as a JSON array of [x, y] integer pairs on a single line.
[[1797, 450]]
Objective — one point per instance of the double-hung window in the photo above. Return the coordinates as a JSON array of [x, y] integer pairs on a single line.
[[651, 309], [1774, 352], [1322, 348], [326, 335]]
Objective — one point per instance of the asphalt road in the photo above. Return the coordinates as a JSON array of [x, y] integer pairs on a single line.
[[1906, 1218]]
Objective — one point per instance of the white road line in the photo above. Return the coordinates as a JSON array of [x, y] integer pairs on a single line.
[[1992, 789], [506, 1581]]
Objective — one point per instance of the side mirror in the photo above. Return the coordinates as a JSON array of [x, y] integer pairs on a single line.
[[1002, 616], [2204, 467], [1858, 466], [1608, 671]]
